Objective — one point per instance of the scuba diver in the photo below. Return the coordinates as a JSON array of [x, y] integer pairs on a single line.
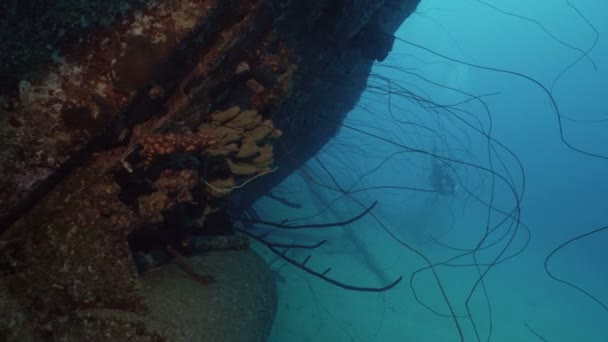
[[441, 180]]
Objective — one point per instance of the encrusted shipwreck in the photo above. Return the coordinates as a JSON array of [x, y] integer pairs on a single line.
[[125, 128]]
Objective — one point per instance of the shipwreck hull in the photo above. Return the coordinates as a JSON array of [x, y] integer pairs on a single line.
[[141, 118]]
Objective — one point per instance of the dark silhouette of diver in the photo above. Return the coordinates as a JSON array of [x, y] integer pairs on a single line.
[[441, 180]]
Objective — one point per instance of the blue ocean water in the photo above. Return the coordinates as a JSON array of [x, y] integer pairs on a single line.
[[474, 94]]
